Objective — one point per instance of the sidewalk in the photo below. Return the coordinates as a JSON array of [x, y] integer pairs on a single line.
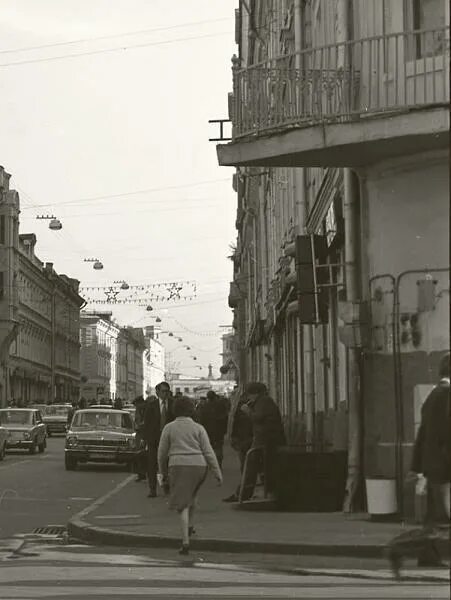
[[127, 517]]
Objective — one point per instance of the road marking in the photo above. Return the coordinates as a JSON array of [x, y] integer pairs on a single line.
[[77, 498], [118, 517], [102, 499], [14, 464]]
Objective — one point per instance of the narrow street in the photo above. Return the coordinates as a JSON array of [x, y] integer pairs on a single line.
[[36, 491]]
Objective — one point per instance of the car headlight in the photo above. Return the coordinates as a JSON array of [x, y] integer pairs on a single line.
[[26, 435], [131, 442], [71, 440]]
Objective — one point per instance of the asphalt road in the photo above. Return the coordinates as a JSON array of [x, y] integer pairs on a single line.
[[36, 490]]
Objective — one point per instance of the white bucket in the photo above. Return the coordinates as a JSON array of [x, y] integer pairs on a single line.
[[381, 496]]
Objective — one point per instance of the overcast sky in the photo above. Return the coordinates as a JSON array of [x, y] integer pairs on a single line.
[[119, 120]]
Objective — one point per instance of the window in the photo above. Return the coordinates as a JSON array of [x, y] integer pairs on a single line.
[[186, 390], [2, 285], [2, 229], [177, 390], [427, 18]]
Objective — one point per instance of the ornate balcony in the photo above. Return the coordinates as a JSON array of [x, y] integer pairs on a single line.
[[338, 85]]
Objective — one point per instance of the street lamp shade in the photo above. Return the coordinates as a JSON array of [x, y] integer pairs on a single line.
[[55, 225], [180, 340], [124, 286], [170, 334], [98, 266], [158, 320], [150, 308]]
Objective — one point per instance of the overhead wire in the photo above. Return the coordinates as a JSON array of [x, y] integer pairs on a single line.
[[110, 50], [114, 35], [134, 193]]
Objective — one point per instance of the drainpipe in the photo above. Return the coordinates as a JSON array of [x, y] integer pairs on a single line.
[[352, 295]]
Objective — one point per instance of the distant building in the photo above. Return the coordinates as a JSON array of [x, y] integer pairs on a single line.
[[39, 317], [229, 371], [199, 386], [99, 356], [153, 359]]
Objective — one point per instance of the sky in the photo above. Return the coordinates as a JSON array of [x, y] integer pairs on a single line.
[[113, 142]]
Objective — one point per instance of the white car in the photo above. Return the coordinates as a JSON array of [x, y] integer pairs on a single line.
[[3, 438], [26, 429]]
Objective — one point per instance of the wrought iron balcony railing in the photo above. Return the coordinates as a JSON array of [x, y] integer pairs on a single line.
[[342, 82]]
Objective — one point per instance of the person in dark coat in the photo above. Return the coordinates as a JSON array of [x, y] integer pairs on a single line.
[[157, 414], [431, 464], [240, 439], [141, 461], [213, 414], [267, 435]]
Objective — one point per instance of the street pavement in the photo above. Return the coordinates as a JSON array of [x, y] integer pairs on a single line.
[[36, 492], [32, 568]]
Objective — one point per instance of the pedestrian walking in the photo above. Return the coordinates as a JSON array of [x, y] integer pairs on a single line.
[[141, 461], [267, 436], [213, 416], [240, 439], [184, 456], [431, 467], [70, 413], [158, 413]]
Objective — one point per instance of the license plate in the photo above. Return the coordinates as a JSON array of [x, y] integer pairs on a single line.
[[100, 455]]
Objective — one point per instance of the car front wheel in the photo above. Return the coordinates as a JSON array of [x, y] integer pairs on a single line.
[[42, 446], [3, 451]]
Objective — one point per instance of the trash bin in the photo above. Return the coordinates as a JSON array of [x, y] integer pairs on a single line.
[[310, 481], [381, 496]]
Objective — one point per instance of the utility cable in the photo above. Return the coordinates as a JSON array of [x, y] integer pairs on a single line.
[[113, 36], [116, 49]]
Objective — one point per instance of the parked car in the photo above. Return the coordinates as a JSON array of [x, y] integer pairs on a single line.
[[55, 418], [4, 434], [101, 435], [25, 427]]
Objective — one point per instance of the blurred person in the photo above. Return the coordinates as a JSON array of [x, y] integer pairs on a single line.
[[431, 468], [184, 456], [213, 415], [158, 413]]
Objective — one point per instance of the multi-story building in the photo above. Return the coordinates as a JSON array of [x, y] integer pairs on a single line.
[[228, 369], [131, 363], [39, 317], [99, 336], [153, 359], [340, 119]]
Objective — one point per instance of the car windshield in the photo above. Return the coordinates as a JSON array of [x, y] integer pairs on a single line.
[[15, 417], [56, 411], [92, 419]]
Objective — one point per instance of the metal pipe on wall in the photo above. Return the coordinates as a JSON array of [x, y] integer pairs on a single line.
[[351, 196]]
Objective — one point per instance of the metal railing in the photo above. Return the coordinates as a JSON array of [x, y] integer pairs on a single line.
[[342, 82]]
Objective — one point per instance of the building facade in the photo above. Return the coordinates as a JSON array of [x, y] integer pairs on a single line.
[[340, 117], [39, 316], [99, 337], [153, 359]]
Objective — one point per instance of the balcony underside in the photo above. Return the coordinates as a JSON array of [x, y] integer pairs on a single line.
[[365, 141]]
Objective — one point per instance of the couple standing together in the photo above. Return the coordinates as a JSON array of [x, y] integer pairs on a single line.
[[179, 448]]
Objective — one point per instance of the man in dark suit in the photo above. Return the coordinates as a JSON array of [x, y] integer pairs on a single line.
[[431, 466], [157, 414]]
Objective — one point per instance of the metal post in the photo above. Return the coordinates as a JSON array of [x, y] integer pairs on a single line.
[[352, 295]]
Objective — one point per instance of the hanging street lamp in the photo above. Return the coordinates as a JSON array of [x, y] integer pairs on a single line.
[[54, 225]]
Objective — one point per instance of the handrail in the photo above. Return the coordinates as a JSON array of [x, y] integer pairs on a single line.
[[342, 82]]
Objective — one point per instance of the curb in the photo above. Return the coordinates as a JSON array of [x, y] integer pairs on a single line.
[[82, 530]]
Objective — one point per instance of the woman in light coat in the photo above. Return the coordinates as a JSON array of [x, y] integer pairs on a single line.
[[184, 457]]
